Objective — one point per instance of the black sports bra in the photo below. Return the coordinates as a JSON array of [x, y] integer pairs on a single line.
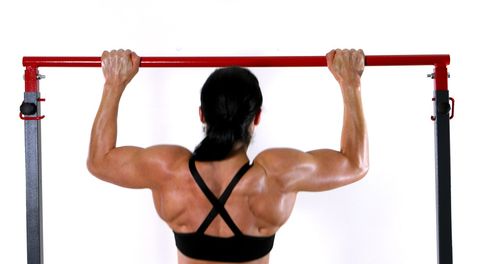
[[238, 248]]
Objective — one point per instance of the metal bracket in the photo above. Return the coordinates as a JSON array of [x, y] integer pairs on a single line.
[[445, 108], [27, 110]]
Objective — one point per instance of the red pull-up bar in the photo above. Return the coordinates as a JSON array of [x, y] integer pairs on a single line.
[[438, 61], [271, 61]]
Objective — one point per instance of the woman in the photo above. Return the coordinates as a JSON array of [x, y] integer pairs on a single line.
[[222, 209]]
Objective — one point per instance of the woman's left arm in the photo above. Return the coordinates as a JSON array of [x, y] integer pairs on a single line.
[[128, 166]]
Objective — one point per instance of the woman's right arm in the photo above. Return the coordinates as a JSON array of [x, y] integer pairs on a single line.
[[326, 169]]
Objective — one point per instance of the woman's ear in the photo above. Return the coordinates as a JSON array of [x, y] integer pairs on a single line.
[[202, 115], [256, 120]]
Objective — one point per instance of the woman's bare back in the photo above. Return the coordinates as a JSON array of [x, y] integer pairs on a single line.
[[256, 208]]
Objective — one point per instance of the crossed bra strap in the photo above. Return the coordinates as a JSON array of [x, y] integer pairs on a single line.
[[218, 203]]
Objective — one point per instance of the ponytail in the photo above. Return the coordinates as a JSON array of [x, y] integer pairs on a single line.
[[217, 144]]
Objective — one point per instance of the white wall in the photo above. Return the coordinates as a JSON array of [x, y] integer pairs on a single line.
[[389, 217]]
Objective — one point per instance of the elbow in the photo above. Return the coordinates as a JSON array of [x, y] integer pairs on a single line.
[[360, 170], [93, 166], [363, 170], [363, 167]]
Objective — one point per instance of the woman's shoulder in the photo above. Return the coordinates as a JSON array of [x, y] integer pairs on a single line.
[[277, 161], [171, 150], [169, 154]]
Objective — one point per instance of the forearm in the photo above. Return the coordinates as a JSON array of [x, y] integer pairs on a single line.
[[104, 130], [354, 140]]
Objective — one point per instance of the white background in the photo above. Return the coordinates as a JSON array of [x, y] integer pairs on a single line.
[[388, 217]]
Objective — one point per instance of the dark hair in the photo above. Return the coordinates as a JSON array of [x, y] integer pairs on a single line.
[[230, 99]]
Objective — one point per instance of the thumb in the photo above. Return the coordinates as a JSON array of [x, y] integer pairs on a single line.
[[329, 57], [136, 60]]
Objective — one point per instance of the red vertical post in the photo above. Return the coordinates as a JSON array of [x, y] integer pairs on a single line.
[[440, 77], [31, 79]]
